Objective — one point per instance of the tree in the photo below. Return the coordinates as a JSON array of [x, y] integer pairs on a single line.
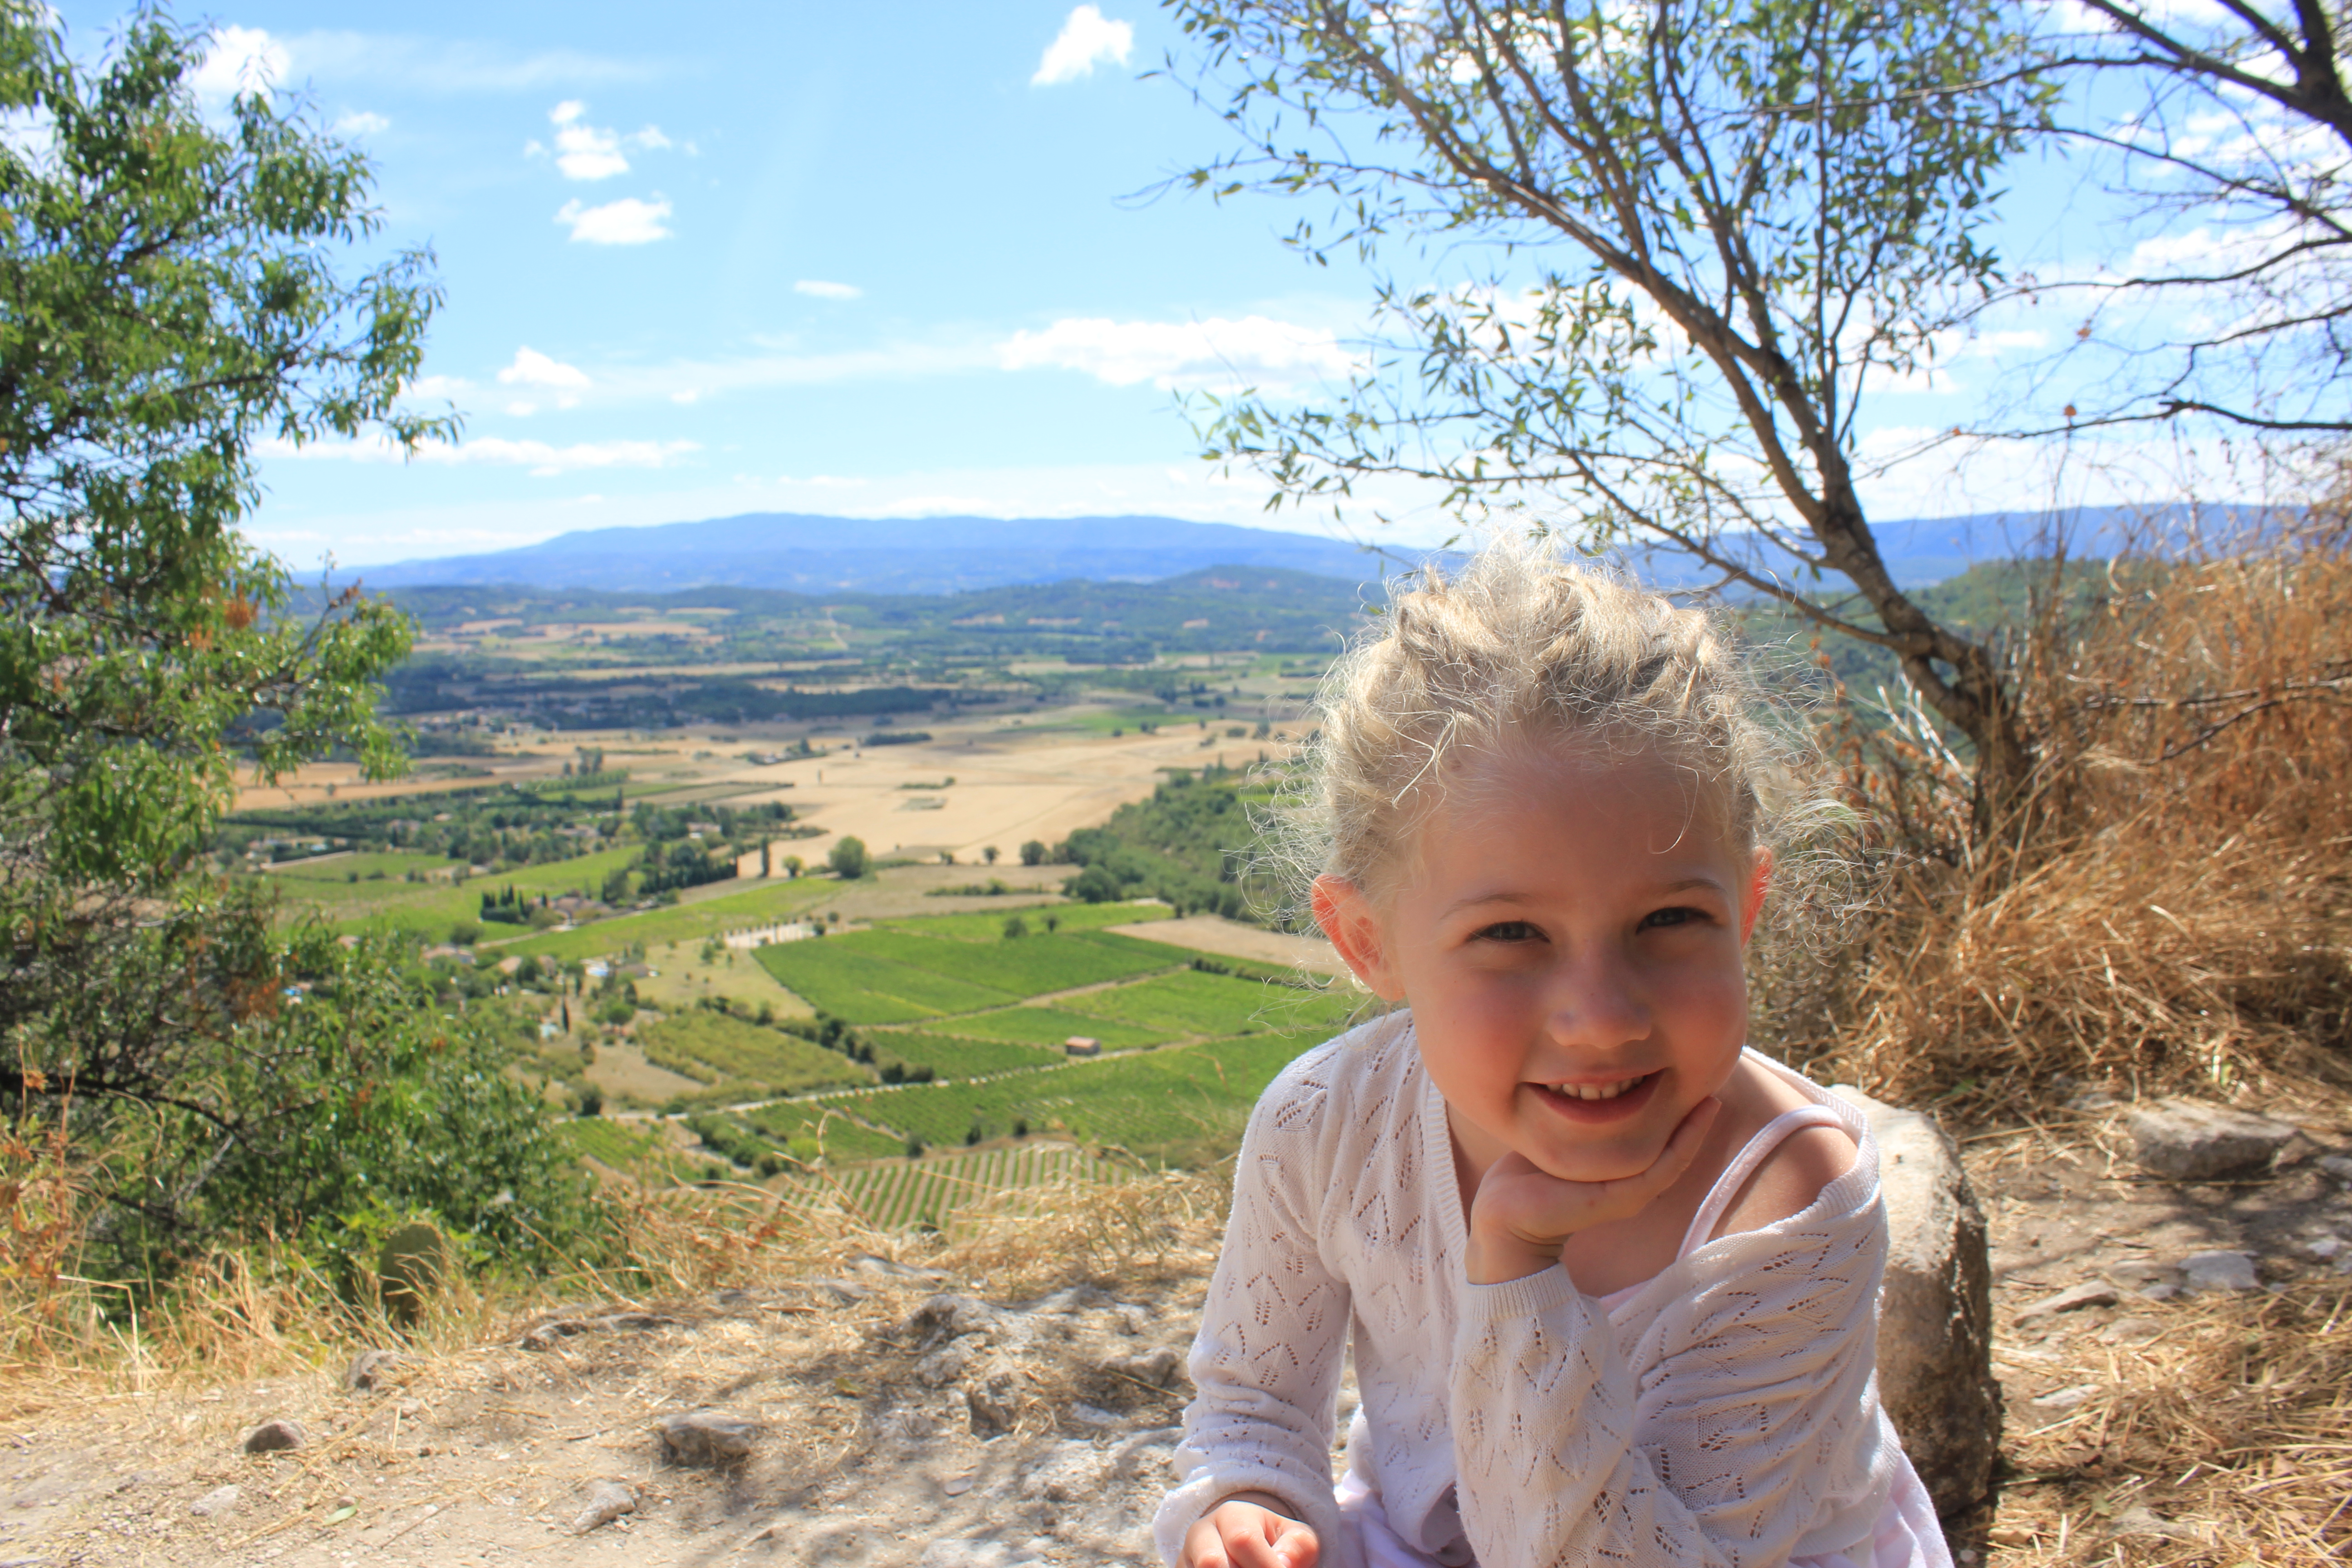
[[847, 859], [172, 298], [1033, 852], [1710, 225], [992, 854], [2237, 122]]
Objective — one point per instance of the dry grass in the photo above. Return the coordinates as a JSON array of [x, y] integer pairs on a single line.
[[2170, 910], [2226, 1441]]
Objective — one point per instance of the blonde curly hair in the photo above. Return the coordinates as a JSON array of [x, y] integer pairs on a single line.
[[1521, 646]]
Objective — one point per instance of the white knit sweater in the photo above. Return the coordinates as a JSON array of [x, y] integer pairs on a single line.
[[1724, 1412]]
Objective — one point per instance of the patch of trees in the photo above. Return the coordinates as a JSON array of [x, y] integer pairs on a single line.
[[1192, 845]]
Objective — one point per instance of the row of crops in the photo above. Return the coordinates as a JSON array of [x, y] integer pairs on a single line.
[[902, 1193], [898, 975]]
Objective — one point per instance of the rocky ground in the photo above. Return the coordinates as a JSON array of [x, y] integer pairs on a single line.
[[877, 1412]]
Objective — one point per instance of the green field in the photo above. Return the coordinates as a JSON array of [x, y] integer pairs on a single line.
[[1025, 967], [810, 1129], [428, 909], [989, 925], [952, 1057], [1050, 1027], [761, 903], [390, 864], [713, 1047], [892, 1194], [849, 978], [635, 1151], [1170, 1104], [1188, 1002]]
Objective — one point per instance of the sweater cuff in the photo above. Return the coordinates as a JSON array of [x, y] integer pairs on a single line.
[[1544, 1291]]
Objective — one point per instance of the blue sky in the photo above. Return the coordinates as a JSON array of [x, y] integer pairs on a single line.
[[707, 260]]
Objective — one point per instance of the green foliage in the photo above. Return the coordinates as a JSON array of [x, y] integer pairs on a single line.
[[1191, 843], [1033, 852], [847, 858], [947, 1057]]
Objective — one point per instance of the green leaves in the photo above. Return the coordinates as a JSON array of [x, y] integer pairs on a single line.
[[173, 295]]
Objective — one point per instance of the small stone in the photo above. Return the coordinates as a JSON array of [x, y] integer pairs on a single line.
[[278, 1435], [952, 1316], [1086, 1415], [216, 1502], [607, 1501], [951, 1361], [867, 1263], [1161, 1368], [2186, 1140], [2162, 1291], [2092, 1100], [2066, 1398], [707, 1438], [2141, 1519], [2336, 1165], [993, 1404], [2134, 1331], [369, 1369], [2213, 1273], [2090, 1293], [842, 1292], [2325, 1246]]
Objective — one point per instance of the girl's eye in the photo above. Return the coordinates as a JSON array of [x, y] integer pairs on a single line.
[[1679, 915], [1511, 930]]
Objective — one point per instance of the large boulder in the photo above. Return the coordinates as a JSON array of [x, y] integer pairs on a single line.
[[1934, 1323]]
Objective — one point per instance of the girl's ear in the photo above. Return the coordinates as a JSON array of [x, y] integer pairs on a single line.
[[1751, 903], [1348, 918]]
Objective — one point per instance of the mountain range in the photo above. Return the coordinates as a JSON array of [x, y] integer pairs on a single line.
[[811, 553]]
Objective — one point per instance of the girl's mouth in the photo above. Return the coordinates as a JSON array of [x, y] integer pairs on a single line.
[[1591, 1103]]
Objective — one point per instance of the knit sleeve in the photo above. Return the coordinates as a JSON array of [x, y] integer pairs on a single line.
[[1267, 1363], [1741, 1431]]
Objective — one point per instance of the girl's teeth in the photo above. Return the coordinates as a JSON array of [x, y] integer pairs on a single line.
[[1599, 1090]]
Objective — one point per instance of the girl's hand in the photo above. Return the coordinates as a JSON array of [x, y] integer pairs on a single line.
[[1242, 1532], [1523, 1216]]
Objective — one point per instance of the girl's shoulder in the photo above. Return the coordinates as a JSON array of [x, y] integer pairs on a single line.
[[1330, 1088], [1797, 1166]]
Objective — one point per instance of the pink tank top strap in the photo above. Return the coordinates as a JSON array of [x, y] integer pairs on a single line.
[[1743, 1165]]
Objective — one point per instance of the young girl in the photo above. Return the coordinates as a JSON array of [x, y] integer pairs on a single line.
[[1611, 1280]]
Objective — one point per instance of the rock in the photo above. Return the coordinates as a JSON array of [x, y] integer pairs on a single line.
[[2336, 1165], [952, 1316], [216, 1502], [1935, 1328], [2066, 1398], [2134, 1331], [949, 1362], [2141, 1519], [2090, 1293], [607, 1501], [410, 1270], [2324, 1247], [707, 1438], [1162, 1368], [1073, 1472], [2216, 1273], [546, 1335], [2189, 1140], [993, 1404], [2161, 1291], [368, 1370], [276, 1436]]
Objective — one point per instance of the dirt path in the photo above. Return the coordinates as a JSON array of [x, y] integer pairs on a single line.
[[1006, 1428]]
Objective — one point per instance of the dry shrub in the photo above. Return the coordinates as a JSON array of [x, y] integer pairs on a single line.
[[2168, 909], [2233, 1429]]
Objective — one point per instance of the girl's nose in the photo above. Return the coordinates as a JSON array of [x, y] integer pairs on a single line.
[[1596, 1003]]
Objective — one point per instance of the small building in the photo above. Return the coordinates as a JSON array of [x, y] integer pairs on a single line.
[[1081, 1045]]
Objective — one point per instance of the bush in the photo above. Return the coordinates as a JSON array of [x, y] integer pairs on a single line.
[[465, 933], [847, 859], [1034, 853], [1015, 927], [617, 1012], [591, 1102]]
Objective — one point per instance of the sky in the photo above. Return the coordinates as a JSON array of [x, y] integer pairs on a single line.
[[855, 260]]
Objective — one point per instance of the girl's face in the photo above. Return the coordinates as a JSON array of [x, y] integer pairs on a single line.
[[1568, 934]]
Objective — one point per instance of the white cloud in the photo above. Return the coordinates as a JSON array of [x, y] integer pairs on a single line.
[[819, 288], [241, 60], [531, 368], [1085, 40], [440, 65], [438, 386], [1253, 350], [585, 151], [625, 222], [362, 123]]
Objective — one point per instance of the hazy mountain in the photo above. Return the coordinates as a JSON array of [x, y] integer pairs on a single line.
[[810, 553], [880, 555]]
